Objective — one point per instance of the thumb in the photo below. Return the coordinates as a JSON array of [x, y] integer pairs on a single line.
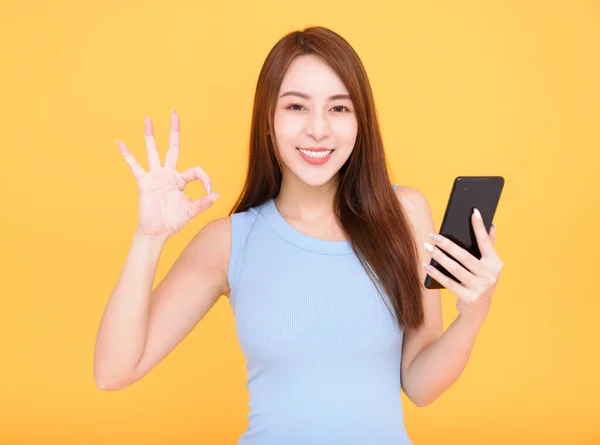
[[200, 205]]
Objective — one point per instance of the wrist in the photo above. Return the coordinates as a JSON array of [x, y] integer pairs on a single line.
[[470, 323], [155, 240]]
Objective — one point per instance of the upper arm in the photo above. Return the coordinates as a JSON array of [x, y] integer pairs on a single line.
[[187, 292], [419, 214]]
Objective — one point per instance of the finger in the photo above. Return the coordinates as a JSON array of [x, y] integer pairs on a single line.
[[465, 276], [153, 156], [194, 173], [464, 257], [483, 239], [493, 234], [136, 168], [174, 139], [456, 288], [200, 205]]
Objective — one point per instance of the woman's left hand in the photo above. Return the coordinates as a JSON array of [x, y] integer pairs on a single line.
[[478, 278]]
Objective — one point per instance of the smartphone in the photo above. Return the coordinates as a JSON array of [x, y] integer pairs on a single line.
[[468, 192]]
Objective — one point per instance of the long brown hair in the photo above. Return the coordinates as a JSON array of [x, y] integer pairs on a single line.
[[365, 204]]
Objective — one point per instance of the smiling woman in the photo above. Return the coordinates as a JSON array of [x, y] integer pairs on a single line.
[[324, 347], [314, 97], [318, 256]]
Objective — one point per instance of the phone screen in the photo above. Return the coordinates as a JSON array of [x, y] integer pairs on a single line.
[[468, 192]]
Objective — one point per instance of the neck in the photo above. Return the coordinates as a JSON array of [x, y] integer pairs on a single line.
[[305, 202]]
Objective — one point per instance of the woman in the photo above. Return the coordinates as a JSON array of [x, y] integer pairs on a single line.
[[321, 258]]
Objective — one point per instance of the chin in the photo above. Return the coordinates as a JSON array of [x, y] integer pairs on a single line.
[[315, 178], [316, 182]]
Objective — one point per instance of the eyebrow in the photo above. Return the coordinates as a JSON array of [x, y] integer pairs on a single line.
[[306, 96]]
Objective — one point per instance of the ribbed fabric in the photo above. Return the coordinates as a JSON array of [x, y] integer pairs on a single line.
[[322, 349]]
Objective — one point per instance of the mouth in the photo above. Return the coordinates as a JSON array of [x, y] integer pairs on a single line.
[[315, 157]]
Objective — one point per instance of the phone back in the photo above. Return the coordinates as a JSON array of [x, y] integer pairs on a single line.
[[468, 192]]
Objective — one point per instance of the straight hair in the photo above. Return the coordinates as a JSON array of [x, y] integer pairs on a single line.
[[365, 204]]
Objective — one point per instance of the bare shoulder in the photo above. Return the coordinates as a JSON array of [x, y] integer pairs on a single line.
[[215, 235], [418, 211], [413, 201], [212, 245], [219, 227]]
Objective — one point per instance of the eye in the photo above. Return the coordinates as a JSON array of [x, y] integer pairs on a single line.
[[342, 106], [290, 107]]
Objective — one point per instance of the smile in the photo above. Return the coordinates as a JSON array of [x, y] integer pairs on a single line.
[[315, 157]]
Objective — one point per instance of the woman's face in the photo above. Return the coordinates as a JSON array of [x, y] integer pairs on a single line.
[[310, 116]]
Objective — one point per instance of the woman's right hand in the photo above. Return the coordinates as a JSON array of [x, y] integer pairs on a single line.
[[164, 209]]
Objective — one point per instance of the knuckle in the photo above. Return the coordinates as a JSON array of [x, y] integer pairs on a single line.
[[470, 297], [464, 257], [454, 268], [480, 286], [497, 268]]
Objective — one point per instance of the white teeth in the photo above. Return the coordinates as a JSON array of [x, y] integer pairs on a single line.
[[315, 154]]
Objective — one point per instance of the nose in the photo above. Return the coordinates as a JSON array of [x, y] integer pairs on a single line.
[[317, 125]]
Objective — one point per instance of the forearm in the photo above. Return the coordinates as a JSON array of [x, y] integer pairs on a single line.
[[440, 364], [122, 333]]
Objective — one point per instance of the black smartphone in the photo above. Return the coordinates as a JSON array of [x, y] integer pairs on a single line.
[[468, 192]]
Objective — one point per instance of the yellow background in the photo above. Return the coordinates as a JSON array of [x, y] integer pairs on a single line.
[[462, 88]]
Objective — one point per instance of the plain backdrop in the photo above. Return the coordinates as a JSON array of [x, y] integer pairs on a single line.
[[462, 88]]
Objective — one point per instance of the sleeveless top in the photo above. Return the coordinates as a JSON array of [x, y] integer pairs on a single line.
[[322, 349]]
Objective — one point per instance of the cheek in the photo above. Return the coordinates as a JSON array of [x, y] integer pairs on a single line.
[[287, 125], [347, 131]]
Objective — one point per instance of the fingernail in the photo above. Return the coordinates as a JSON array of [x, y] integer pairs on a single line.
[[215, 198], [494, 226], [428, 246], [117, 141], [477, 214], [435, 237], [173, 110], [209, 188]]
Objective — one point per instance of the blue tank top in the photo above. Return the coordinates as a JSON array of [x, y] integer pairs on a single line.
[[322, 348]]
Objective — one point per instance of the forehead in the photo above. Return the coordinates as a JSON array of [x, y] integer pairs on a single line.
[[312, 75]]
